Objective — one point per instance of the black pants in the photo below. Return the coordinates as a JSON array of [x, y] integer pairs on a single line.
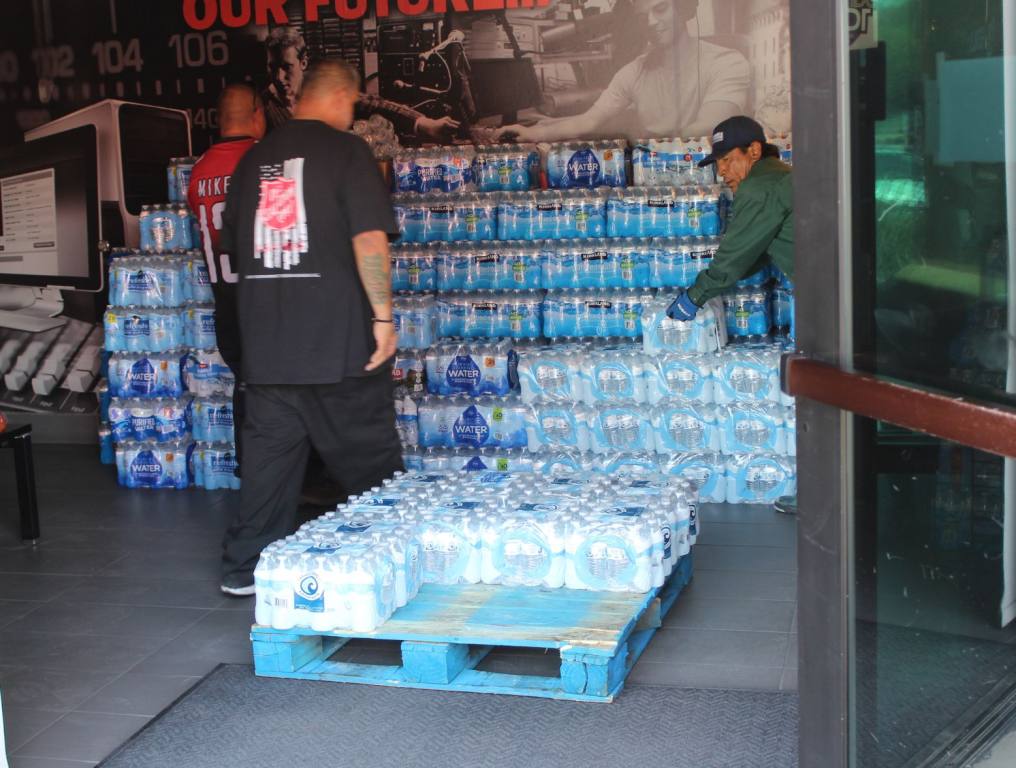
[[350, 424]]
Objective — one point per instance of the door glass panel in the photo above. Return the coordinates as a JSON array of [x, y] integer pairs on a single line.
[[933, 205], [931, 214], [931, 657]]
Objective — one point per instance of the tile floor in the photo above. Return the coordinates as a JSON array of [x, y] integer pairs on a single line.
[[117, 611]]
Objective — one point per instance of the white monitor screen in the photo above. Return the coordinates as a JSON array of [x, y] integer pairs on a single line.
[[49, 210]]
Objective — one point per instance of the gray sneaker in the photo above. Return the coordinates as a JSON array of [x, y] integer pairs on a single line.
[[237, 587], [786, 505]]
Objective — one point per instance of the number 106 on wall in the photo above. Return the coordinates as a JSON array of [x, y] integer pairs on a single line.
[[200, 49]]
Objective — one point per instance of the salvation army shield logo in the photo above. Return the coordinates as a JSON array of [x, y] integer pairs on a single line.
[[278, 203]]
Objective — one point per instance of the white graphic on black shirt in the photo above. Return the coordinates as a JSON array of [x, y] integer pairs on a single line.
[[280, 224]]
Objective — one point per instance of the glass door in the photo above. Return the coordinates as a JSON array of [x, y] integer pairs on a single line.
[[905, 208], [931, 184]]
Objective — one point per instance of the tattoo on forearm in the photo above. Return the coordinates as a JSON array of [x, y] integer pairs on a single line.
[[376, 276]]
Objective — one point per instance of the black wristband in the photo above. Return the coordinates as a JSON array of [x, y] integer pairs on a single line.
[[379, 320]]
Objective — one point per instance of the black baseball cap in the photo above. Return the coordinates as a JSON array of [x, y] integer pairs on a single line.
[[732, 133]]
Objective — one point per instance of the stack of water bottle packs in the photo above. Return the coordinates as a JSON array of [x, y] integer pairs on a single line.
[[549, 349], [351, 568], [568, 289], [603, 405], [166, 407]]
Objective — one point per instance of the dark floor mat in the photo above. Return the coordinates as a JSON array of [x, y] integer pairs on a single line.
[[913, 684], [233, 718]]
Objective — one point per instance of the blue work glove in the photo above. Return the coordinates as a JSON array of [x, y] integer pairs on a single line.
[[682, 308]]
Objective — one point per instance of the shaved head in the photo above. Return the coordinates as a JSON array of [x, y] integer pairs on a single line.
[[237, 105], [327, 76], [331, 89]]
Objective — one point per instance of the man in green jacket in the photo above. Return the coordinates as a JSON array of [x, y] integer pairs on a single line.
[[760, 229]]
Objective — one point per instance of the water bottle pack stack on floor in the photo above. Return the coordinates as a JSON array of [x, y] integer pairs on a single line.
[[351, 568], [548, 350], [166, 403]]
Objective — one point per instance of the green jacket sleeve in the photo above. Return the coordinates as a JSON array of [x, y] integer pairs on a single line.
[[755, 222]]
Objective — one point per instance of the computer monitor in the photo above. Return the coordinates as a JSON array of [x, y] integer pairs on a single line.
[[49, 212]]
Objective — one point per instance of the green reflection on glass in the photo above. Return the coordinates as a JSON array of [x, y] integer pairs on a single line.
[[940, 281]]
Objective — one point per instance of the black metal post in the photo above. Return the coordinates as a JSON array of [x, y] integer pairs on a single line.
[[20, 440]]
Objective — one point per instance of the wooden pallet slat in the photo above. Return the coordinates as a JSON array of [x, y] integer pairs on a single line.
[[446, 631]]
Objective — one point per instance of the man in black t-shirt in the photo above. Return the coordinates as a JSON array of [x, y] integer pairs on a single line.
[[307, 220]]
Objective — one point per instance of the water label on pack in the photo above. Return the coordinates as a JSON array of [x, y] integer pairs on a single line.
[[137, 325], [538, 507], [164, 226], [667, 536], [471, 428], [199, 271], [141, 378], [584, 169], [626, 511], [644, 484], [146, 469], [378, 501], [461, 506], [354, 526], [219, 416], [495, 478], [462, 373], [569, 481], [223, 463], [475, 464], [141, 281], [308, 595], [206, 322], [425, 478], [143, 424], [322, 549]]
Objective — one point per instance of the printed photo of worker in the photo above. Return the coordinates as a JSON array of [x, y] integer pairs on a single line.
[[573, 69]]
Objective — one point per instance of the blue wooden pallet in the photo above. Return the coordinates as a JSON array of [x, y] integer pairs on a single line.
[[445, 631]]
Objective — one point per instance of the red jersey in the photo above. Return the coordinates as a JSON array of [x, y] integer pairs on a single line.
[[206, 196]]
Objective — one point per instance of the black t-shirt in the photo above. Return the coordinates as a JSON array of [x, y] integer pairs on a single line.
[[295, 202]]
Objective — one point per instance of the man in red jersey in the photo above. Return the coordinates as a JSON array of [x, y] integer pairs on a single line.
[[241, 125]]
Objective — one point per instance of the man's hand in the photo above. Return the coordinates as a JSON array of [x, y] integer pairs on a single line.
[[386, 340], [439, 129], [682, 308], [519, 133]]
